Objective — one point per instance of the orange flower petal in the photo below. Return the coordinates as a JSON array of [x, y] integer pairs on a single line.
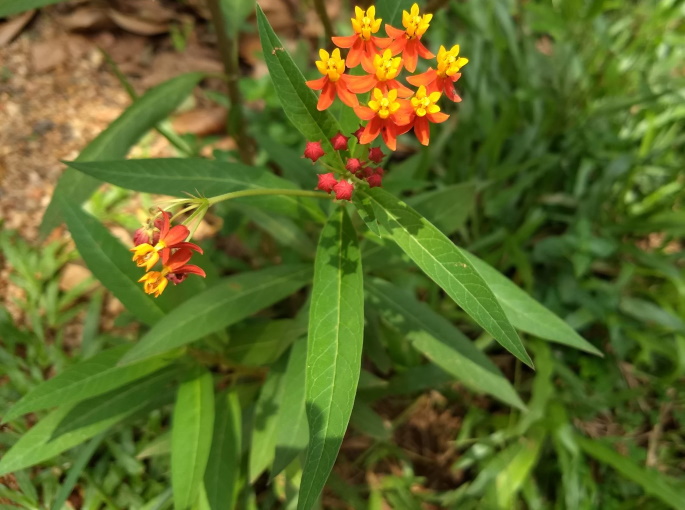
[[389, 133], [422, 130], [175, 235], [365, 113], [327, 96], [345, 41], [437, 117], [360, 84], [354, 56], [371, 131], [423, 51], [424, 79], [317, 84], [345, 95], [402, 91], [394, 33]]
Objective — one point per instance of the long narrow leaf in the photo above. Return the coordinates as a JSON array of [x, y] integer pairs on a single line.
[[115, 141], [447, 266], [336, 323], [191, 438], [227, 302], [440, 342]]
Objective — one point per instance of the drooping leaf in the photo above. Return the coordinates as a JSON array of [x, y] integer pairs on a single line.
[[209, 178], [262, 343], [227, 302], [447, 266], [291, 429], [115, 141], [223, 466], [73, 424], [440, 341], [110, 262], [298, 100], [89, 378], [336, 323], [653, 482], [264, 429], [525, 313], [191, 437]]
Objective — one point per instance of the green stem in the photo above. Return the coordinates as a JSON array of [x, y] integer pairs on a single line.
[[262, 192], [228, 51], [320, 8]]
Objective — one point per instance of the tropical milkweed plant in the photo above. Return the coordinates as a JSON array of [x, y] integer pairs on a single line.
[[286, 386]]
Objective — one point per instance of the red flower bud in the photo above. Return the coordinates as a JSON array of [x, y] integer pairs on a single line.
[[326, 182], [358, 132], [313, 151], [353, 165], [141, 236], [176, 278], [376, 154], [343, 190], [339, 142], [380, 171], [375, 181], [368, 171]]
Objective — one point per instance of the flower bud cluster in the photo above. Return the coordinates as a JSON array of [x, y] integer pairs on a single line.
[[357, 170]]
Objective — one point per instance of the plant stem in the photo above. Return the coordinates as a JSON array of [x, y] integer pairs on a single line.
[[229, 57], [262, 192], [320, 8]]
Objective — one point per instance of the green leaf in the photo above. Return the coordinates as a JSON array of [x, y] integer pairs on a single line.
[[440, 341], [390, 11], [446, 208], [191, 437], [179, 176], [89, 378], [270, 401], [229, 301], [298, 100], [336, 324], [75, 423], [115, 141], [366, 212], [292, 432], [9, 7], [223, 466], [262, 343], [110, 262], [525, 313], [447, 266], [653, 482]]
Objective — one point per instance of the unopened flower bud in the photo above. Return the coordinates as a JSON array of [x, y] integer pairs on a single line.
[[141, 236], [376, 154], [368, 171], [313, 151], [176, 278], [353, 165], [358, 133], [379, 171], [326, 182], [375, 181], [343, 190], [339, 142]]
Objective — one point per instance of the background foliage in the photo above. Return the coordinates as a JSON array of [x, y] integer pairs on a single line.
[[562, 168]]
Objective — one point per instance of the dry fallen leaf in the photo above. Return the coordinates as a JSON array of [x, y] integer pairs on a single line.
[[72, 275], [85, 18], [12, 28], [201, 121], [136, 24], [47, 55]]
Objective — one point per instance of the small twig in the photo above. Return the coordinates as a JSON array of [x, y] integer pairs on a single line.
[[658, 430], [320, 8]]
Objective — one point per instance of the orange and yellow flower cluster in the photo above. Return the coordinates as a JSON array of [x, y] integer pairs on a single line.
[[158, 240], [394, 108]]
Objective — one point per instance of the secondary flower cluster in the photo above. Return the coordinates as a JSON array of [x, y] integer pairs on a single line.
[[158, 240], [393, 109], [356, 169]]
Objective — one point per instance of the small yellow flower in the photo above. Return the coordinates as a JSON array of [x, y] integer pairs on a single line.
[[387, 67], [365, 23], [415, 24], [154, 282], [449, 62], [384, 105], [424, 103], [331, 65]]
